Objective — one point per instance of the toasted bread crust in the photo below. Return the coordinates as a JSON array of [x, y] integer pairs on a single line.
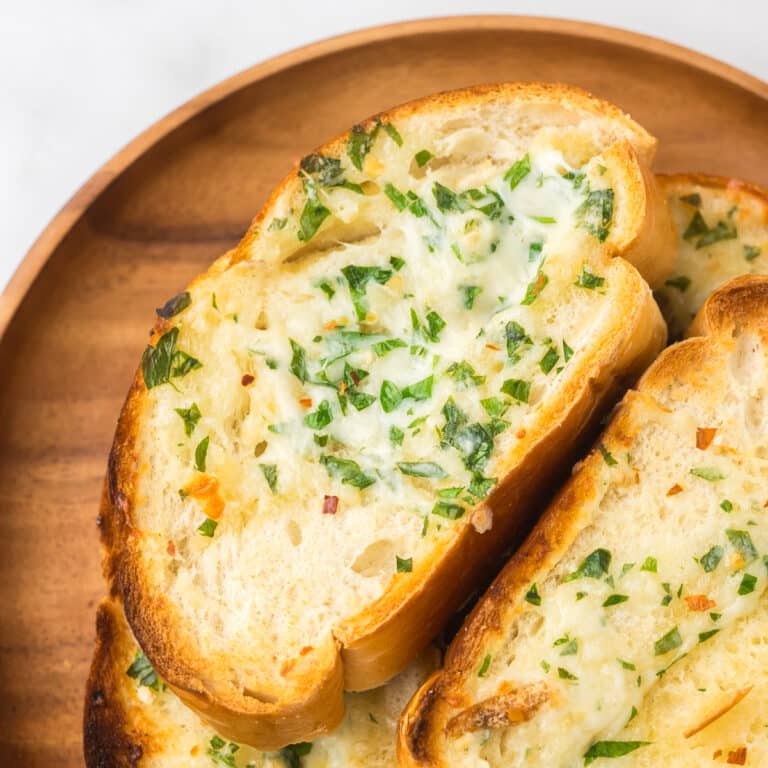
[[369, 648], [741, 304]]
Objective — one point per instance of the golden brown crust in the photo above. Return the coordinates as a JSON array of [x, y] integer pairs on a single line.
[[371, 647], [110, 740], [740, 304]]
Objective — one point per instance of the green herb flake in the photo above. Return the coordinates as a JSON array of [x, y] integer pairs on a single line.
[[532, 596], [741, 541], [298, 364], [535, 288], [544, 220], [156, 361], [447, 200], [396, 435], [207, 527], [614, 600], [403, 565], [348, 471], [270, 475], [611, 749], [607, 456], [668, 642], [751, 252], [327, 289], [190, 416], [398, 199], [448, 510], [518, 389], [485, 666], [549, 361], [747, 585], [594, 566], [469, 294], [534, 250], [313, 214], [588, 279], [681, 282], [422, 157], [422, 469], [173, 306], [627, 665], [277, 224], [567, 351], [704, 636], [711, 559], [710, 474], [320, 418], [201, 454], [420, 390], [357, 279], [596, 213], [519, 170], [464, 375], [144, 672], [564, 674], [650, 564], [726, 505]]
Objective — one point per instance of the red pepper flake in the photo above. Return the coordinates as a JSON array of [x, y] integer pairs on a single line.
[[520, 434], [330, 505], [737, 756], [306, 402], [493, 347], [704, 437], [675, 489], [717, 753], [355, 378], [247, 379], [342, 387], [305, 650], [330, 325], [699, 602], [171, 548]]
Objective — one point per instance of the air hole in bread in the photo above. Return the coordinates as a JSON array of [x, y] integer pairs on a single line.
[[265, 697], [377, 558], [358, 232]]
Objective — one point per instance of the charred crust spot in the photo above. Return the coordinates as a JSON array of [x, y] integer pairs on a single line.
[[98, 699]]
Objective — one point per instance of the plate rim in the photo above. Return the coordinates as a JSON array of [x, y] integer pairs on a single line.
[[79, 203]]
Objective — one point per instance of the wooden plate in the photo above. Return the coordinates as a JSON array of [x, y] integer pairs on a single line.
[[75, 316]]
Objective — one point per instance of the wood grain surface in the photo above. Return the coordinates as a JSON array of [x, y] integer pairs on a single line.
[[77, 313]]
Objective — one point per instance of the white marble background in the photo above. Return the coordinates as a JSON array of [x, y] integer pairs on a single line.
[[80, 78]]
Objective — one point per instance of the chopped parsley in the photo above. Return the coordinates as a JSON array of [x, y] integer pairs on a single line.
[[447, 200], [711, 474], [607, 456], [221, 752], [201, 454], [464, 375], [358, 278], [519, 170], [177, 304], [704, 636], [347, 470], [532, 596], [751, 252], [588, 279], [485, 666], [741, 541], [668, 642], [403, 565], [594, 566], [567, 351], [699, 230], [596, 212], [327, 289], [693, 199], [614, 600], [190, 416], [611, 749], [515, 336], [298, 364], [144, 672], [293, 753], [396, 435], [535, 288], [422, 157], [650, 564], [726, 505], [469, 294], [712, 558], [207, 527], [163, 361], [448, 510], [747, 585], [277, 224], [270, 475], [549, 361], [517, 388], [320, 418], [564, 674], [422, 469], [313, 214]]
